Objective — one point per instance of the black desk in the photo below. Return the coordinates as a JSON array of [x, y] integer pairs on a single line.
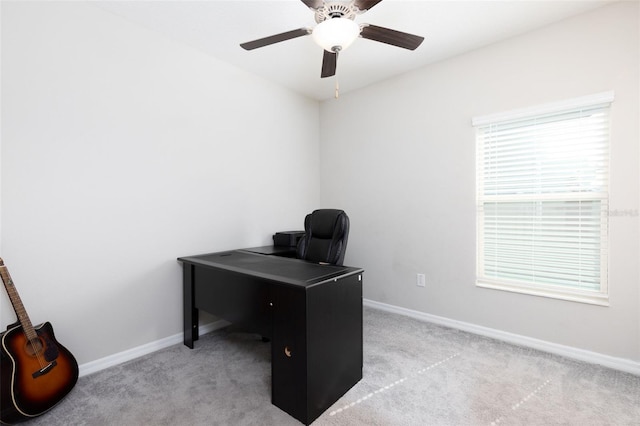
[[312, 313]]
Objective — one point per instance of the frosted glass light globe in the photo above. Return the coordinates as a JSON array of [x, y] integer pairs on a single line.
[[335, 33]]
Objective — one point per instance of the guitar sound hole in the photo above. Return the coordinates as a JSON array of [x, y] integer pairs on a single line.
[[34, 347]]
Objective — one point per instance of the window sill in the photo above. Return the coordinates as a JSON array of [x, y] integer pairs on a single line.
[[591, 298]]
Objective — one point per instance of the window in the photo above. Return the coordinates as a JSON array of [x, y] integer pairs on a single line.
[[542, 199]]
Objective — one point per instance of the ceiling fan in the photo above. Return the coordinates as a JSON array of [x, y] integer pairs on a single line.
[[336, 30]]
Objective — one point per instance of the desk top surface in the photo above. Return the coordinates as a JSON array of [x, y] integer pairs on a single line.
[[274, 250], [280, 269]]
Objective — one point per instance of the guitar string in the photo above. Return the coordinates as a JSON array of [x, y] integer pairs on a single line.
[[23, 317], [34, 341]]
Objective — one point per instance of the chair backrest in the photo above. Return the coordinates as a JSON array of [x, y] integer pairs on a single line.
[[325, 236]]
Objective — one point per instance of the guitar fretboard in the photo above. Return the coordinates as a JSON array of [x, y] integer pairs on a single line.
[[16, 302]]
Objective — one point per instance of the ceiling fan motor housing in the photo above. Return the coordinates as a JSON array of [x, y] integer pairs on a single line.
[[331, 10]]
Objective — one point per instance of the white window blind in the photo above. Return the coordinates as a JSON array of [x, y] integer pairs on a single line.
[[542, 194]]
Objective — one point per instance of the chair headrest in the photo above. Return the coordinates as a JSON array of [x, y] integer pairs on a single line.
[[325, 221]]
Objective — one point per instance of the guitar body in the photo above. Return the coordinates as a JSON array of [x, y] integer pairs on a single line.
[[35, 375]]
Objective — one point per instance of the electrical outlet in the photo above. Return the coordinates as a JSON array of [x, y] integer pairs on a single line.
[[420, 280]]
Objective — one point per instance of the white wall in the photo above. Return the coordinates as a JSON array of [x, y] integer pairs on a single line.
[[122, 151], [404, 170]]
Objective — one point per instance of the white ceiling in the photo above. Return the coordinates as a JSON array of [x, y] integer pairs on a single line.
[[450, 27]]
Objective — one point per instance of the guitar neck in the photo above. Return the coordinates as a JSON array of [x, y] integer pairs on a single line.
[[16, 302]]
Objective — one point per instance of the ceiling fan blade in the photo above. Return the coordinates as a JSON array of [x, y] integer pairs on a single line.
[[392, 37], [276, 38], [313, 4], [329, 64], [365, 4]]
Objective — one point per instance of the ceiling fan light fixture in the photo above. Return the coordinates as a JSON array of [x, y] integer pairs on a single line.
[[335, 34]]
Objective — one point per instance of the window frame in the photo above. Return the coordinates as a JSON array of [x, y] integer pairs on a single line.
[[600, 297]]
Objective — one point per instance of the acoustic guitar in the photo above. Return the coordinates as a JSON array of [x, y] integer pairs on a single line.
[[37, 372]]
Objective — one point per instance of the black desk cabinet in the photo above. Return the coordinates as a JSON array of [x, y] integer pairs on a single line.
[[312, 314]]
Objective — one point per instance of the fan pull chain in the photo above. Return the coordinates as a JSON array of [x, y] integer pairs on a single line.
[[337, 92]]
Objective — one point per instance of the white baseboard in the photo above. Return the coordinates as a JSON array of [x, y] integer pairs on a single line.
[[621, 364], [128, 355]]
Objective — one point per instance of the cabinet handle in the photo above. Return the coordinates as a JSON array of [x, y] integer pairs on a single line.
[[287, 351]]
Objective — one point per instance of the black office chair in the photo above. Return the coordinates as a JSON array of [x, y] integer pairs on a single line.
[[325, 237]]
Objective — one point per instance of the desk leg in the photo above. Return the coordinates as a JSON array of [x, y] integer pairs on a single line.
[[191, 332]]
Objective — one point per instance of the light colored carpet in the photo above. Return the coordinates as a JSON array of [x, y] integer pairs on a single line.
[[415, 373]]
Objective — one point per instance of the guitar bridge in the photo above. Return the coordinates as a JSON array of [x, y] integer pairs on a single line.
[[44, 370]]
